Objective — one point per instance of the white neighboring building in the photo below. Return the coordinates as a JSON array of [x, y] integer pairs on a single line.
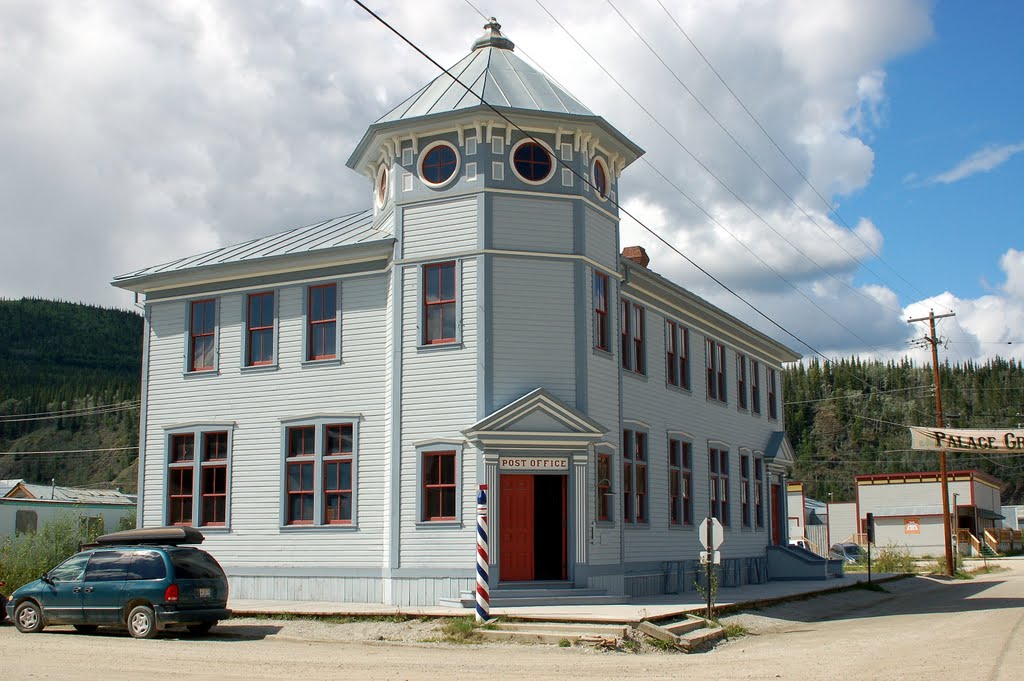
[[24, 508]]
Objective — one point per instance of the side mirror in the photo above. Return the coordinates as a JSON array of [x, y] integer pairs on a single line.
[[46, 578]]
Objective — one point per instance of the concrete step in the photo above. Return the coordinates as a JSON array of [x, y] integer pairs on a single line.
[[521, 597], [549, 632]]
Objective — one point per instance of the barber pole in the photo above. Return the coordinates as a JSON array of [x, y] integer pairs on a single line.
[[483, 595]]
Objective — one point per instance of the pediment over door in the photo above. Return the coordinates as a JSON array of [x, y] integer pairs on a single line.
[[536, 421], [779, 451]]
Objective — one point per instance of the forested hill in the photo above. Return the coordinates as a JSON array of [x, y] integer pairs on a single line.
[[59, 363], [850, 417]]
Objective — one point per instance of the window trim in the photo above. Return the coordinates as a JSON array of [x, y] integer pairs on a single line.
[[246, 366], [382, 186], [684, 468], [718, 478], [599, 164], [515, 171], [755, 387], [438, 447], [421, 306], [759, 480], [306, 323], [677, 355], [604, 494], [632, 346], [714, 365], [186, 368], [746, 507], [319, 424], [423, 157], [602, 318], [773, 394], [636, 509], [199, 432], [741, 381]]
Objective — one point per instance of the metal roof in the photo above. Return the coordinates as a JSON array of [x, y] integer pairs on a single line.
[[492, 73], [74, 494], [347, 230]]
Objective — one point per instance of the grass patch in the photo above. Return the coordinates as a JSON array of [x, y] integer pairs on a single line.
[[659, 644], [734, 630], [985, 569], [460, 630], [333, 619], [565, 643]]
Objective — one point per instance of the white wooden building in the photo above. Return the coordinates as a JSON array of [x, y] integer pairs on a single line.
[[25, 508], [325, 402]]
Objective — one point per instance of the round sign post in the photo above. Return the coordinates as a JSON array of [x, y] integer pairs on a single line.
[[710, 534]]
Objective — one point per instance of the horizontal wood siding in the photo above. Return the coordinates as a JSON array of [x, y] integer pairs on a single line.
[[256, 402], [439, 400], [649, 400], [533, 339], [532, 224], [440, 228], [601, 233]]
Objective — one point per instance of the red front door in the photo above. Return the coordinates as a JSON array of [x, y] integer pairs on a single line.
[[776, 515], [516, 522]]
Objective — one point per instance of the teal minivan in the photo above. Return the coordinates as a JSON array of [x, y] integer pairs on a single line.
[[141, 580]]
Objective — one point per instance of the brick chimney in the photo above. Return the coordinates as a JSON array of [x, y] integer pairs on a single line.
[[637, 254]]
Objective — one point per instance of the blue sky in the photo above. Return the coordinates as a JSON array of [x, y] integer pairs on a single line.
[[959, 96], [136, 133]]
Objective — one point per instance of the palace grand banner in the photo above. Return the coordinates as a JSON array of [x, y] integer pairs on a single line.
[[967, 440]]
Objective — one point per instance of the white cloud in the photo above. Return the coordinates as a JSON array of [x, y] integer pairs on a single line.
[[981, 161]]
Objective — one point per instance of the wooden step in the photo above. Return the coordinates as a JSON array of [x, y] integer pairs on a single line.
[[700, 637]]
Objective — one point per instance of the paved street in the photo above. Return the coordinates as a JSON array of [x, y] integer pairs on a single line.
[[920, 629]]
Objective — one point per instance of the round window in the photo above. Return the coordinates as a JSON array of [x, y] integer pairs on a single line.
[[600, 176], [438, 164], [381, 192], [532, 162]]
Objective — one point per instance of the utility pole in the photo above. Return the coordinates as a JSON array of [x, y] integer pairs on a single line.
[[946, 526]]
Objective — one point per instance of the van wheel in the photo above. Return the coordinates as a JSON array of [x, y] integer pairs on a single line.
[[200, 629], [28, 617], [142, 622], [86, 628]]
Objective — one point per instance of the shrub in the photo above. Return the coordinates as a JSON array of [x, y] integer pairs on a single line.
[[24, 557], [894, 559]]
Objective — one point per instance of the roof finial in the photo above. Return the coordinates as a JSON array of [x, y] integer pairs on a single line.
[[493, 37]]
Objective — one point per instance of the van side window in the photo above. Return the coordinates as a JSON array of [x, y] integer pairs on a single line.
[[70, 570], [106, 566], [147, 565]]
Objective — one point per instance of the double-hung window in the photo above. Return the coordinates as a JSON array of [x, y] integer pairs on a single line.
[[755, 387], [745, 490], [440, 305], [634, 476], [440, 486], [759, 491], [741, 381], [322, 322], [604, 487], [601, 322], [680, 482], [718, 464], [773, 392], [198, 482], [677, 354], [259, 329], [320, 472], [633, 350], [715, 365], [202, 332]]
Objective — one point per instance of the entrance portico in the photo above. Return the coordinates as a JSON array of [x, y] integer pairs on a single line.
[[536, 454]]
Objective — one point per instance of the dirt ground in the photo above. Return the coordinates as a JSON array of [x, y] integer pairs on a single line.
[[919, 628]]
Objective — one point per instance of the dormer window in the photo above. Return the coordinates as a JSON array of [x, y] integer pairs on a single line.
[[438, 164], [532, 163], [600, 176], [381, 190]]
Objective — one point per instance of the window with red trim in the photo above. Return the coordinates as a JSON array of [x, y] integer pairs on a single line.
[[180, 479], [718, 464], [755, 387], [677, 354], [322, 313], [213, 483], [680, 483], [604, 487], [301, 458], [439, 303], [634, 476], [260, 329], [741, 381], [633, 351], [439, 486], [745, 490], [715, 365], [338, 474], [773, 394], [202, 335], [601, 311]]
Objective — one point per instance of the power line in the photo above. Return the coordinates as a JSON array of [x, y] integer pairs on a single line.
[[69, 415], [74, 411], [71, 451], [858, 395]]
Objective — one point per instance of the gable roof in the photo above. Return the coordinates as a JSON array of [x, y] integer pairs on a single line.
[[779, 449], [78, 495], [537, 420], [346, 231]]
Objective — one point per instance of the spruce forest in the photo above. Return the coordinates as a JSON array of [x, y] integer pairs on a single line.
[[63, 365]]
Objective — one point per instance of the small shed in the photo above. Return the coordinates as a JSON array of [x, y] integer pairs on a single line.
[[25, 507]]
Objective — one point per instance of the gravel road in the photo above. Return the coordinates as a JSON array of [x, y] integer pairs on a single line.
[[920, 628]]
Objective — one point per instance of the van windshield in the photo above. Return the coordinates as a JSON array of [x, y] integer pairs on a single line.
[[195, 564]]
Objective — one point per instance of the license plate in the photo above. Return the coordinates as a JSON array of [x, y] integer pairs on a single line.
[[203, 592]]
